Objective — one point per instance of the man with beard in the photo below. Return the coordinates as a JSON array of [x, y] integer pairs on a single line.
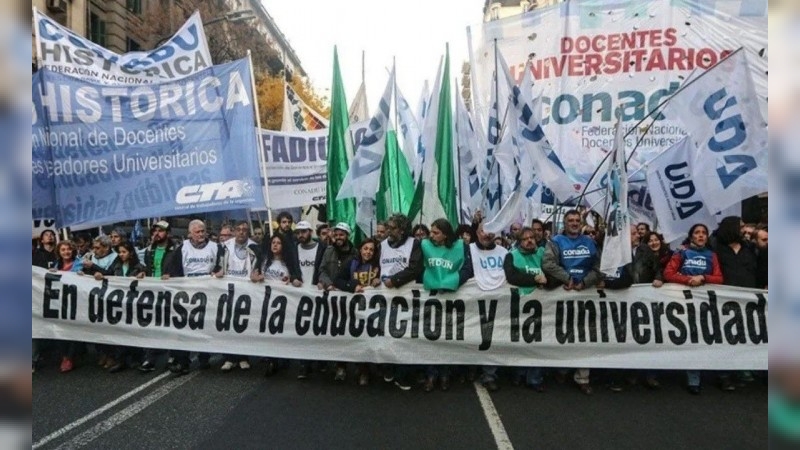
[[324, 233], [309, 253], [196, 256], [573, 260], [335, 256], [401, 262], [155, 257]]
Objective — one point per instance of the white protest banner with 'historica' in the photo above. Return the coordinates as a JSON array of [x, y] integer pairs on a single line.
[[61, 50], [716, 327]]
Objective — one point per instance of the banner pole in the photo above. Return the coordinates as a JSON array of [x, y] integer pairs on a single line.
[[458, 158], [265, 187]]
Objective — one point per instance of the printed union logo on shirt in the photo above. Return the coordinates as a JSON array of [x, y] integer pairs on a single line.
[[579, 252], [214, 192], [698, 262]]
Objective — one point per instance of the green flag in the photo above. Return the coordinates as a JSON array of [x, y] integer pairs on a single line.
[[397, 184], [338, 210], [435, 196], [446, 183]]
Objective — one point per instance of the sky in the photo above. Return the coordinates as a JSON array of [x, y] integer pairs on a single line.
[[412, 31]]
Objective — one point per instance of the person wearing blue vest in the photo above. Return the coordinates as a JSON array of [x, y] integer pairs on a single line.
[[523, 267], [694, 266], [443, 256], [573, 260]]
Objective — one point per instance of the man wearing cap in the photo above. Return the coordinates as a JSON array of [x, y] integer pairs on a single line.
[[196, 256], [338, 254], [309, 253], [155, 257]]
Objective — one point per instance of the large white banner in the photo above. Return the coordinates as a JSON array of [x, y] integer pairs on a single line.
[[590, 57], [62, 50], [716, 327]]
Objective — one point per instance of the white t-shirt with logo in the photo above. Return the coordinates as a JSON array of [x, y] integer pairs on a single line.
[[198, 261], [394, 260], [239, 260], [307, 258], [488, 266], [276, 271]]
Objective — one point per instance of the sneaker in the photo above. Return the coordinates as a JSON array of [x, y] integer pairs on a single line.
[[66, 365], [178, 369], [110, 362], [304, 372], [694, 390], [491, 386], [102, 360], [402, 384], [652, 383], [244, 364], [147, 366], [727, 385], [227, 366], [203, 364], [586, 389], [118, 367], [341, 374], [615, 387], [363, 379]]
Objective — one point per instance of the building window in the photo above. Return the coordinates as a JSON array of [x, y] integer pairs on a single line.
[[134, 6], [97, 29], [132, 45]]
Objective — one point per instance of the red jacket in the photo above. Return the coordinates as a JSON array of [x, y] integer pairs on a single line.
[[672, 273]]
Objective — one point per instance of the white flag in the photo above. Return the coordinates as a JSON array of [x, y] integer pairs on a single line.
[[359, 109], [533, 140], [721, 113], [671, 183], [617, 243], [467, 149], [412, 137], [364, 175], [298, 116]]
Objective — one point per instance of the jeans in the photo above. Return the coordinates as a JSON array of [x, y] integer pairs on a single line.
[[534, 376], [488, 373], [693, 377]]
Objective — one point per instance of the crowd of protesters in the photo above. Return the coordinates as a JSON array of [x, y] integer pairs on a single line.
[[441, 256]]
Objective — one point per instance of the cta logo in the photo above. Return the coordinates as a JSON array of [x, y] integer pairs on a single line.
[[210, 192]]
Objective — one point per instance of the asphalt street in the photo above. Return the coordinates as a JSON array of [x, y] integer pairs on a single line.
[[88, 408]]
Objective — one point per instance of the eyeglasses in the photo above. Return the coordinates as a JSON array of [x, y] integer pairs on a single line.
[[589, 233]]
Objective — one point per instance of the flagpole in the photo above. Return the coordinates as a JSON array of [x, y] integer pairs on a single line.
[[458, 158], [395, 192], [502, 127], [265, 187], [656, 109]]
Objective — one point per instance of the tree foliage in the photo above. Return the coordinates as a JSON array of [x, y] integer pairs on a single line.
[[228, 41]]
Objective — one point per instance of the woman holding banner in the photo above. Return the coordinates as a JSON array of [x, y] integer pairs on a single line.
[[443, 256], [694, 266], [66, 261]]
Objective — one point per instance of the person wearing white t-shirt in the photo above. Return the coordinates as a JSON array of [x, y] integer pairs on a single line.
[[194, 257], [401, 262], [309, 253], [241, 257], [486, 261]]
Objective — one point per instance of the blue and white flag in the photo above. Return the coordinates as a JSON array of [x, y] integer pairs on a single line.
[[467, 149], [533, 140], [678, 204], [617, 243], [412, 137], [110, 154], [721, 113], [364, 175]]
